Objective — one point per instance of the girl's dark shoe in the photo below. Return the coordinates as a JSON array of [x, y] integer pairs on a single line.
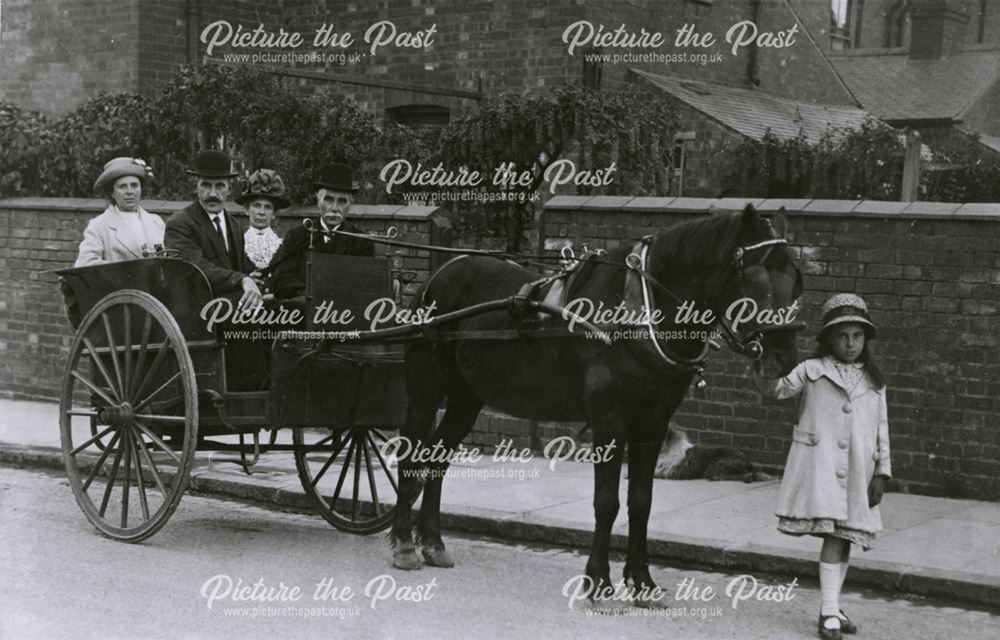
[[846, 626], [827, 634]]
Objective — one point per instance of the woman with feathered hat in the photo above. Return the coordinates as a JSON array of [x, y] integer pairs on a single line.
[[263, 197]]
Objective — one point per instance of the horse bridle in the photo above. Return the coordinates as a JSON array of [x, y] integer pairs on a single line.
[[750, 346]]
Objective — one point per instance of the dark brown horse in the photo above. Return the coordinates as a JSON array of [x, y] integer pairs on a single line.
[[625, 392]]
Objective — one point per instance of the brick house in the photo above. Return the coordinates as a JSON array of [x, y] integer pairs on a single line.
[[928, 65], [59, 52]]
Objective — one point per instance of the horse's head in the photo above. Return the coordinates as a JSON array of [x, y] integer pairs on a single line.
[[757, 293]]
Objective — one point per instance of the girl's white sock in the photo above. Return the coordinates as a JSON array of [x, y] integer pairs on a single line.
[[829, 586], [843, 573]]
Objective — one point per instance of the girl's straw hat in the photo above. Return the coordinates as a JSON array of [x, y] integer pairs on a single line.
[[847, 307]]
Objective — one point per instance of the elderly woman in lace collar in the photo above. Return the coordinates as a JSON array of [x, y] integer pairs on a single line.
[[124, 231], [263, 196]]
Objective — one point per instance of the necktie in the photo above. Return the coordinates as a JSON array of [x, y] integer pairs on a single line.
[[218, 227]]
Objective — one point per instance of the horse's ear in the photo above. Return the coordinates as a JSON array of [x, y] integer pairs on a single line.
[[779, 222]]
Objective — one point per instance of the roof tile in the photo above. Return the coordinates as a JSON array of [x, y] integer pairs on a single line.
[[753, 113], [894, 87]]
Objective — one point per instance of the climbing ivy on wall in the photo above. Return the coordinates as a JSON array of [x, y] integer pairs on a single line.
[[264, 121], [863, 164], [866, 163], [595, 130]]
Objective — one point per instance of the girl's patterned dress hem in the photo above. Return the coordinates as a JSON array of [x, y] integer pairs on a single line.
[[826, 527]]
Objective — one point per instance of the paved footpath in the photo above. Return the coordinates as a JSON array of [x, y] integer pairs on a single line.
[[938, 547]]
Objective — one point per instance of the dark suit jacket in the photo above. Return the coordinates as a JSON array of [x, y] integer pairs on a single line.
[[191, 232], [288, 266]]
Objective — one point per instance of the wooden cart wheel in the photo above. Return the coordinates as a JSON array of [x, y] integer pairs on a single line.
[[347, 477], [129, 378]]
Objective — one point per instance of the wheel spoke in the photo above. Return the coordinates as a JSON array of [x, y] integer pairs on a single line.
[[371, 475], [155, 367], [158, 442], [382, 463], [357, 482], [100, 461], [104, 372], [111, 481], [93, 387], [127, 350], [145, 402], [114, 353], [336, 452], [140, 358], [127, 439], [154, 418], [381, 436], [143, 502], [91, 441], [343, 474], [153, 469], [320, 443]]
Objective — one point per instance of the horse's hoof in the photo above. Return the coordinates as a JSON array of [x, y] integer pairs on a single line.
[[435, 557], [406, 558]]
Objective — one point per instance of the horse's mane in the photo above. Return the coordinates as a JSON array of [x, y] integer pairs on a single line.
[[707, 242]]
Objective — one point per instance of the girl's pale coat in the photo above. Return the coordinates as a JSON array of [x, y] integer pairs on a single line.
[[840, 442]]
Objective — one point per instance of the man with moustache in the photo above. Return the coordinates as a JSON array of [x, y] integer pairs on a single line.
[[205, 235], [211, 239], [334, 194]]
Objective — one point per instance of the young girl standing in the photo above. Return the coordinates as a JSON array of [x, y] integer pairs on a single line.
[[839, 459]]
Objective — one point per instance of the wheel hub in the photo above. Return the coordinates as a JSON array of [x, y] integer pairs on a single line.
[[117, 416]]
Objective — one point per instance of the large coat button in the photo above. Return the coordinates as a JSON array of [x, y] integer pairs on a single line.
[[842, 444], [841, 473], [847, 407], [876, 457]]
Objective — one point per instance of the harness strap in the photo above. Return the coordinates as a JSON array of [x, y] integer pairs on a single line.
[[642, 247]]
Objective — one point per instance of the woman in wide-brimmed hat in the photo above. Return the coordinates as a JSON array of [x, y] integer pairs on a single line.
[[124, 231], [263, 196]]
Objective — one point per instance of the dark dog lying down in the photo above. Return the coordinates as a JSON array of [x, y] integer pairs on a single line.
[[681, 460]]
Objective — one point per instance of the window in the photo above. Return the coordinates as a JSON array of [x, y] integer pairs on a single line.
[[981, 29], [898, 24], [841, 20]]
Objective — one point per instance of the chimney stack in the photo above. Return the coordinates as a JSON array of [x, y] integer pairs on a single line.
[[937, 28]]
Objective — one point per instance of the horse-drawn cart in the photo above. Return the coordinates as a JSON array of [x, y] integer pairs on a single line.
[[149, 380], [147, 385]]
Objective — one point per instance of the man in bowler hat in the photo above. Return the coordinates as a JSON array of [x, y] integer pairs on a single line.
[[204, 234], [334, 194]]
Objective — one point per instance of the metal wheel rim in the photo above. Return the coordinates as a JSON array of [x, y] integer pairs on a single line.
[[131, 442]]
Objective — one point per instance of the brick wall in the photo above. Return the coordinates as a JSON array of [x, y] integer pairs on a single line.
[[38, 235], [930, 273], [59, 52]]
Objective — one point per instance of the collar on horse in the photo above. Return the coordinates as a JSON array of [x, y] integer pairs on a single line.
[[750, 345]]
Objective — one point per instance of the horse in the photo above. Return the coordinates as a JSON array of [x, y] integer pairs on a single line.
[[625, 391]]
